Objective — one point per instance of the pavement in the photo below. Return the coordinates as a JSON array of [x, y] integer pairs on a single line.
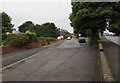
[[69, 61], [114, 39], [111, 51]]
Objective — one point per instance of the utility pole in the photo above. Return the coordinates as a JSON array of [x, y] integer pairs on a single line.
[[107, 22]]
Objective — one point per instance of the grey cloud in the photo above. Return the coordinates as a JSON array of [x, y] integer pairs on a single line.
[[39, 12]]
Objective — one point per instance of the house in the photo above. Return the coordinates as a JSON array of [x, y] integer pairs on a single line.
[[108, 33], [13, 31], [64, 32]]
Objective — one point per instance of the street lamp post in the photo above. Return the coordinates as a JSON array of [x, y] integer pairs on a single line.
[[107, 22]]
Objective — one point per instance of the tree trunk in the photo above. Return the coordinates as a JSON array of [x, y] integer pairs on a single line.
[[94, 36]]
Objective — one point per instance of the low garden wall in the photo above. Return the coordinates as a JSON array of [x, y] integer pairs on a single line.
[[32, 45], [9, 49]]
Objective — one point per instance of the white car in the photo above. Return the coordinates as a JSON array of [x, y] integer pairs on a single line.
[[60, 37], [68, 38]]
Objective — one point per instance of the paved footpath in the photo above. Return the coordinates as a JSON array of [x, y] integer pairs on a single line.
[[69, 61], [112, 51], [114, 39]]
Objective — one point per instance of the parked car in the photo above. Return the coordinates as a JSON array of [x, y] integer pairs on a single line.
[[69, 38], [81, 40], [60, 37]]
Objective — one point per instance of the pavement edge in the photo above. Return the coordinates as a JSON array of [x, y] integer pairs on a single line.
[[105, 69]]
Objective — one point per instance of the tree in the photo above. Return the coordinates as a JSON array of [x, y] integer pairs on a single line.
[[47, 30], [38, 30], [28, 25], [50, 30], [115, 28], [92, 16], [6, 23]]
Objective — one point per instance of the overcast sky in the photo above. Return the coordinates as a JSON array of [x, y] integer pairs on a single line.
[[39, 12]]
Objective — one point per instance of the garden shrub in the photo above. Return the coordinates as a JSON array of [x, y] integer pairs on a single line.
[[88, 40], [48, 39], [65, 36], [16, 40], [4, 36], [32, 37]]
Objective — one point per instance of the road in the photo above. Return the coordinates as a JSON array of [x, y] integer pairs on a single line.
[[10, 58], [112, 51], [15, 56], [69, 61]]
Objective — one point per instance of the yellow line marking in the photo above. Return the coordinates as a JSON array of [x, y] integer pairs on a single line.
[[21, 60]]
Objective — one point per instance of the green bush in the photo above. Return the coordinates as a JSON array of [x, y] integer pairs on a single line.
[[88, 40], [32, 37], [65, 36], [48, 39], [16, 40], [4, 36]]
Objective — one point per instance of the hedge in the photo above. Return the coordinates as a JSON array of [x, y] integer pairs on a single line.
[[32, 36], [16, 40], [48, 39]]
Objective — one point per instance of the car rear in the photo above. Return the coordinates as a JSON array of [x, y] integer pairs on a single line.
[[81, 40]]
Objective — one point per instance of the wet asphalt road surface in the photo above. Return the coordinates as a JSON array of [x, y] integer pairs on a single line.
[[69, 61], [112, 51], [10, 58]]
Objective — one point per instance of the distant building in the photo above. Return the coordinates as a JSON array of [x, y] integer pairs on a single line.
[[13, 31], [108, 33], [64, 32]]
